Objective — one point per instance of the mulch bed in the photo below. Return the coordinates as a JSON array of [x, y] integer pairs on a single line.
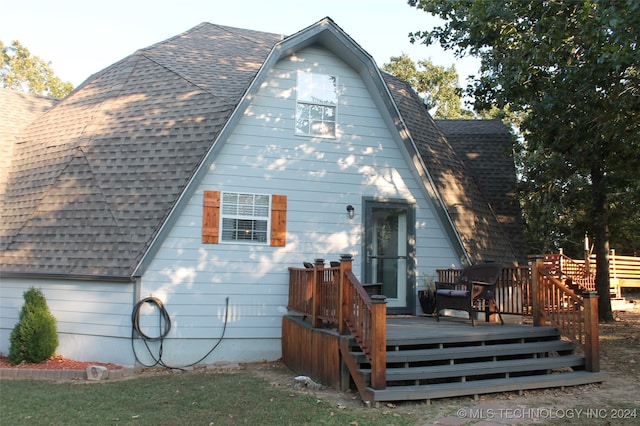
[[57, 362]]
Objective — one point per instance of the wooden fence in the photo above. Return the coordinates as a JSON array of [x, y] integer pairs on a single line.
[[624, 271]]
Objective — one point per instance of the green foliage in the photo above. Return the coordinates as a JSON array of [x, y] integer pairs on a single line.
[[34, 338], [437, 85], [571, 70], [23, 72]]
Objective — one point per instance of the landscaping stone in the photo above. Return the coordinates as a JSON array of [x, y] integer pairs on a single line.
[[97, 372]]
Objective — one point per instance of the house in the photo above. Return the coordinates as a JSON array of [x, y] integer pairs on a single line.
[[185, 179]]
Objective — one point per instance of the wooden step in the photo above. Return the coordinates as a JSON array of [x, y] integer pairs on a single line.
[[455, 335], [478, 387], [465, 352], [471, 369]]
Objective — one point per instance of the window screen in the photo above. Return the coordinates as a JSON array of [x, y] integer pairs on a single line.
[[245, 217]]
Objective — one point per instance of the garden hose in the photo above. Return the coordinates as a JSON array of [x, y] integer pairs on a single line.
[[164, 326]]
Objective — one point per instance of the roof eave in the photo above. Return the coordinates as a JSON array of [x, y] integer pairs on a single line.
[[68, 277]]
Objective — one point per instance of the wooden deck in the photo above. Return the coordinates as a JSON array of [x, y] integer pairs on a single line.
[[427, 360], [340, 335]]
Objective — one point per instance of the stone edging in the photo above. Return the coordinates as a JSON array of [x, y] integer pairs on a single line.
[[35, 373]]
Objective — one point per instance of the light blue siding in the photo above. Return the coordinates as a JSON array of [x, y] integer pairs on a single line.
[[319, 176], [93, 318]]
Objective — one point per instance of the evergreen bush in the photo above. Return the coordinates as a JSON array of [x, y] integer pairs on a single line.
[[34, 338]]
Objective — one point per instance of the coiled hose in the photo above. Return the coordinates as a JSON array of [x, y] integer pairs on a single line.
[[164, 326]]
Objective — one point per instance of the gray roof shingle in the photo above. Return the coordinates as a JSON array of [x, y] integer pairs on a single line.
[[17, 111], [485, 146], [93, 180]]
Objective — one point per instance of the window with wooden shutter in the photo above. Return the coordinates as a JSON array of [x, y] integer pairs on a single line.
[[211, 217], [244, 218], [278, 220]]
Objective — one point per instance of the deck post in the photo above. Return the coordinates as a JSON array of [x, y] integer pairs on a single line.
[[318, 274], [536, 296], [379, 342], [346, 263], [591, 338]]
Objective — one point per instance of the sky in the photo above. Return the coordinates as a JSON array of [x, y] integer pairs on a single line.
[[81, 37]]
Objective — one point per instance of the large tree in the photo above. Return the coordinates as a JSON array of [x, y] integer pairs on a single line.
[[27, 73], [572, 67], [436, 85]]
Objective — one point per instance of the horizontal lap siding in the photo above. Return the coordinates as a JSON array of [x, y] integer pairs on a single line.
[[319, 177], [83, 310]]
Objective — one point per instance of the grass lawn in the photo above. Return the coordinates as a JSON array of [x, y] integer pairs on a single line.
[[175, 399]]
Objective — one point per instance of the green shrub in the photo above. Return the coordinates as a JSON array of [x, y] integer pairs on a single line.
[[34, 338]]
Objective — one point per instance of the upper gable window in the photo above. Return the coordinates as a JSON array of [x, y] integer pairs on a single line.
[[316, 104]]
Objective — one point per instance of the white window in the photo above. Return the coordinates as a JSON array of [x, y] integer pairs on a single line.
[[245, 217], [316, 104]]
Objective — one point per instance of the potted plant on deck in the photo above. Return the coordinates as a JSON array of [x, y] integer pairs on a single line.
[[427, 295]]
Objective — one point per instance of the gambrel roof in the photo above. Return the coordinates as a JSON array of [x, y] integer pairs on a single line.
[[94, 182]]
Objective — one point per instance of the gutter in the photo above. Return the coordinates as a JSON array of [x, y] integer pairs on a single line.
[[67, 277]]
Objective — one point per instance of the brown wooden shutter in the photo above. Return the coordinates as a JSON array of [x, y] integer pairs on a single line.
[[211, 217], [278, 220]]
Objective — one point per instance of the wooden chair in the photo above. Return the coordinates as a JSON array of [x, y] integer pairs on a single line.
[[476, 283]]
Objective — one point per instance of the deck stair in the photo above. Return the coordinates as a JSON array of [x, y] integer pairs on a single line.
[[457, 361]]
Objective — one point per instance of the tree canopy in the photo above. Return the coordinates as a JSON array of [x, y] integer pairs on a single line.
[[435, 84], [26, 73], [572, 69]]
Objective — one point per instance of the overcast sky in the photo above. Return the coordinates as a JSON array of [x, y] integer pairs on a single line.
[[81, 37]]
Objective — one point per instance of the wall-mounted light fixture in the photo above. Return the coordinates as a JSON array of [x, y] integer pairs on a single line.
[[351, 211]]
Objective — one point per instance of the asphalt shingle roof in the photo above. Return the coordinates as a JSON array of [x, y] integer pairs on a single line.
[[485, 146], [93, 180], [17, 112], [478, 227]]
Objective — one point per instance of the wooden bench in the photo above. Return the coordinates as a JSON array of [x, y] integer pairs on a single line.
[[476, 283]]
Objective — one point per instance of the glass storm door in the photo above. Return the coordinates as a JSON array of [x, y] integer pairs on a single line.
[[388, 230]]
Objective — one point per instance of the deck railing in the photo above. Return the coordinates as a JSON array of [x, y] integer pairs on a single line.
[[575, 315], [513, 289], [539, 291], [364, 317], [313, 292], [333, 297], [581, 273], [624, 271]]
